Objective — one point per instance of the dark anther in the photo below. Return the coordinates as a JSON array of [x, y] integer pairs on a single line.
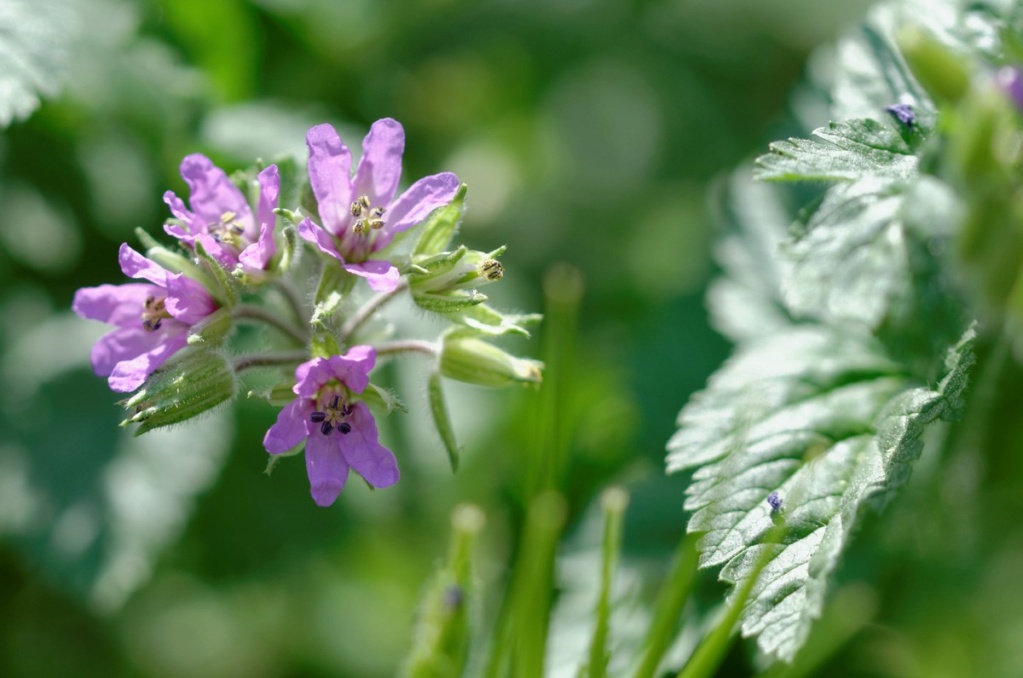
[[326, 428], [774, 499], [346, 410], [344, 427], [318, 416], [334, 402]]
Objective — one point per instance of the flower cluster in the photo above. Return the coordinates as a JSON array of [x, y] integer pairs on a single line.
[[239, 256]]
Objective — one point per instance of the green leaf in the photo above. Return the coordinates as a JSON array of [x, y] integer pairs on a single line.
[[33, 54], [847, 151], [754, 217], [826, 419]]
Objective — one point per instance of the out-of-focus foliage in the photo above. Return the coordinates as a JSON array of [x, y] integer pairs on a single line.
[[588, 132]]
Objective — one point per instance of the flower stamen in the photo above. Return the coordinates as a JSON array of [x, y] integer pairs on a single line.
[[333, 416], [228, 230], [491, 269], [367, 217], [153, 313]]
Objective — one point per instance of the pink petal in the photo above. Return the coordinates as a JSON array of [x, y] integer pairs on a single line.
[[310, 232], [363, 451], [380, 166], [326, 467], [257, 255], [192, 224], [187, 300], [213, 194], [415, 204], [128, 375], [330, 168], [310, 376], [120, 305], [352, 369], [291, 427], [226, 256], [382, 276], [134, 265], [123, 344]]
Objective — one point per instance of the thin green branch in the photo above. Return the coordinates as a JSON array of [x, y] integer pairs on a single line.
[[407, 346], [246, 362], [360, 317], [258, 313]]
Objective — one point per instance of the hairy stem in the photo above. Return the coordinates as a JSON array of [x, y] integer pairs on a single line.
[[291, 295], [246, 362], [249, 312], [367, 310], [407, 346]]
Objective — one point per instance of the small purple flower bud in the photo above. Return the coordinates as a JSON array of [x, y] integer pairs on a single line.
[[1010, 81], [903, 113], [454, 596], [774, 499]]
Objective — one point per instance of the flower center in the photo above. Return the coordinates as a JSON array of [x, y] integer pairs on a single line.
[[228, 230], [366, 216], [153, 313], [333, 416]]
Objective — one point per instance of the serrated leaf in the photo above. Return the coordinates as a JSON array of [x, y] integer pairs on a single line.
[[847, 151], [827, 420], [33, 54], [746, 302], [852, 259]]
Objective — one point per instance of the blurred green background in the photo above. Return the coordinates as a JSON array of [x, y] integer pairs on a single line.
[[588, 131]]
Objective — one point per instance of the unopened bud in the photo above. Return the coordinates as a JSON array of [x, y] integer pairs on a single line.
[[195, 383], [475, 361], [212, 329], [939, 69]]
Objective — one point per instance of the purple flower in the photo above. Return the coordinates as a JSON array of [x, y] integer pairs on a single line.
[[1010, 80], [151, 319], [221, 219], [339, 432], [360, 214], [903, 113]]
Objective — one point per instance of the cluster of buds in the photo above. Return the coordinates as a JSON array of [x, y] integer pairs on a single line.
[[243, 248]]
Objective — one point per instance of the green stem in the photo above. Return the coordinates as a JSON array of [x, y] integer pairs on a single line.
[[407, 346], [669, 606], [613, 502], [367, 310], [291, 296], [249, 312], [711, 652], [246, 362]]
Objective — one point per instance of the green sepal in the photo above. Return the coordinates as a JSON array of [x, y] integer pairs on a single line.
[[323, 344], [474, 361], [382, 400], [288, 248], [225, 287], [194, 383], [278, 395], [335, 284], [485, 320], [212, 329], [441, 419], [440, 227], [451, 302], [425, 269], [275, 459]]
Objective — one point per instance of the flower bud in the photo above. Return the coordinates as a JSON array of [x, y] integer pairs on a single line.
[[940, 70], [212, 329], [198, 381], [468, 359]]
